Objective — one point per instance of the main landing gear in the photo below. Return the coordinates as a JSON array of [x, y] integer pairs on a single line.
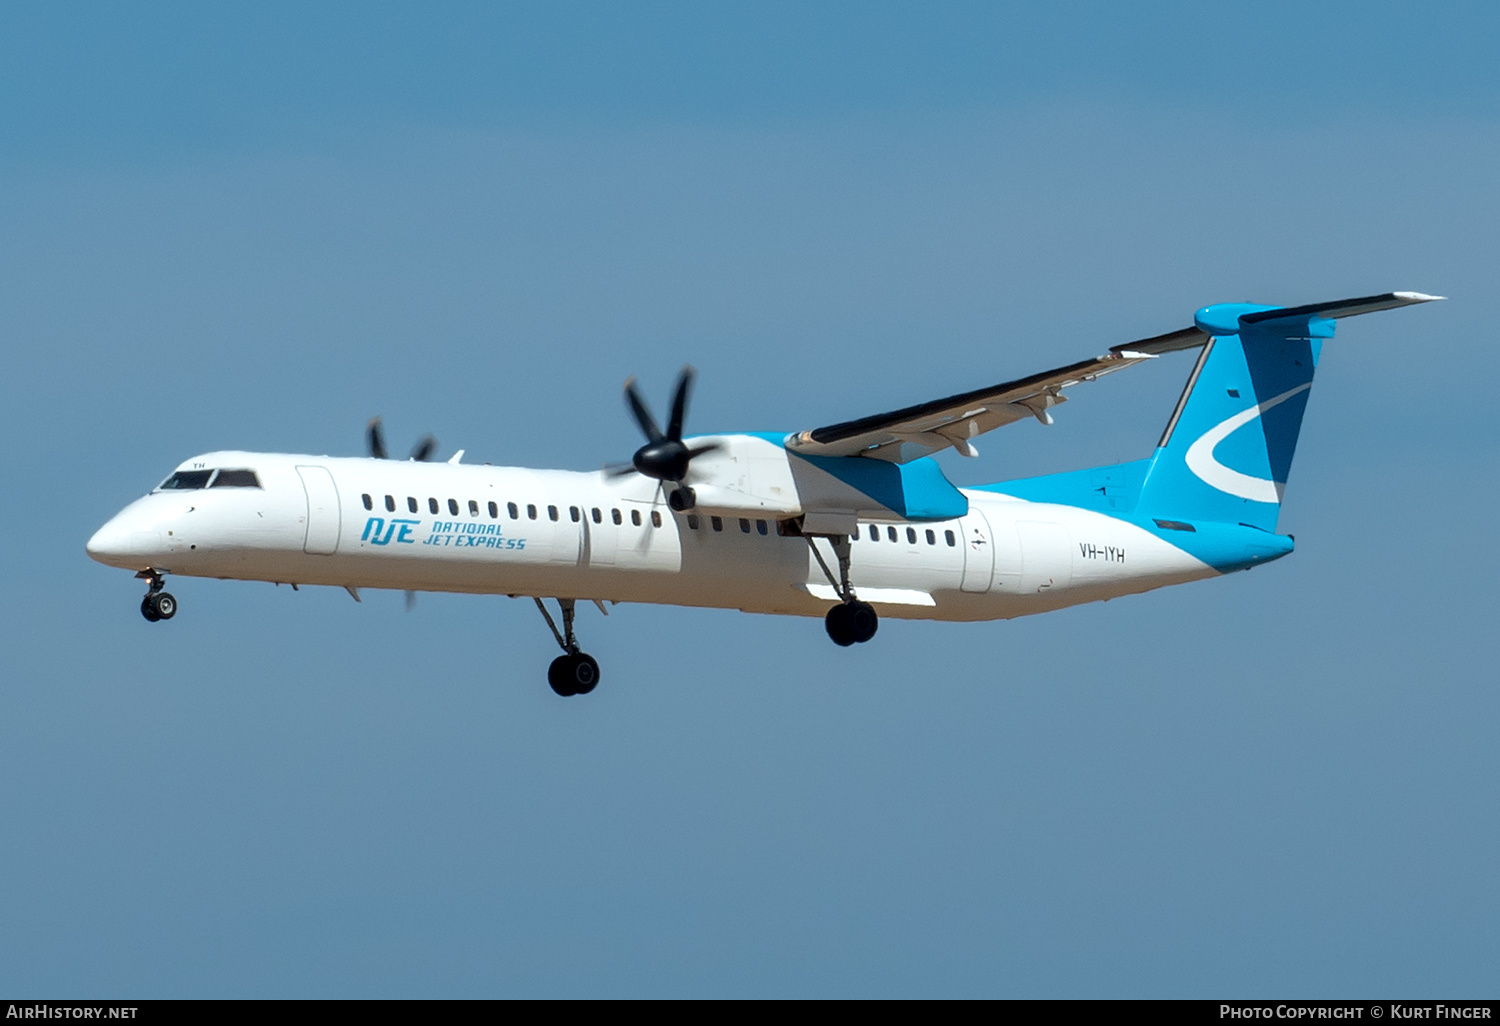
[[573, 672], [158, 604], [852, 621]]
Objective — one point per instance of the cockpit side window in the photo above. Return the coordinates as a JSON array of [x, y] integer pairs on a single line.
[[236, 479], [186, 479]]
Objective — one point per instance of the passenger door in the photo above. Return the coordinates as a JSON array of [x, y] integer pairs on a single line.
[[322, 538], [979, 551]]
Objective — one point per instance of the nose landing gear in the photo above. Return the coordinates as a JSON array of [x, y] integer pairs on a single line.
[[158, 604], [573, 672]]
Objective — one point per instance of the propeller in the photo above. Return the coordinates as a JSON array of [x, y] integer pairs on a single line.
[[375, 439], [665, 456], [421, 452]]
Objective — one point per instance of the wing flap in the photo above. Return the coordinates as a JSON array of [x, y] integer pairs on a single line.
[[920, 430]]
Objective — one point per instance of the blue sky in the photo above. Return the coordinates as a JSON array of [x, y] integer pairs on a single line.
[[257, 227]]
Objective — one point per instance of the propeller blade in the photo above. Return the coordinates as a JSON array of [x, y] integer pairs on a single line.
[[642, 412], [679, 402], [411, 601], [375, 439], [699, 450], [618, 469], [423, 450]]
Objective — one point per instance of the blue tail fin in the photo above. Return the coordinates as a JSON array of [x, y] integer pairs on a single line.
[[1228, 448]]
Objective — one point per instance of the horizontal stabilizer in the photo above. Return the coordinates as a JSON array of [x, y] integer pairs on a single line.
[[1344, 307]]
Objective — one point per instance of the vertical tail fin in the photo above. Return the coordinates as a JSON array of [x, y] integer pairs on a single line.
[[1227, 451]]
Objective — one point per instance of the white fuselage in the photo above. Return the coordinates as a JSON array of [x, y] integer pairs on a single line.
[[368, 523]]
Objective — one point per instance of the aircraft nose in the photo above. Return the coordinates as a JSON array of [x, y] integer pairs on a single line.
[[111, 543]]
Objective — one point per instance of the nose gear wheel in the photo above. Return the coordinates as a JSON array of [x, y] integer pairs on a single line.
[[158, 604]]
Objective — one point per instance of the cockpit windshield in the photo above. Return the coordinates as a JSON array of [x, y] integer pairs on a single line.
[[184, 480], [235, 479]]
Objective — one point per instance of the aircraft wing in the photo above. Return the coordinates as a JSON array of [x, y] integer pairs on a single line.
[[916, 431]]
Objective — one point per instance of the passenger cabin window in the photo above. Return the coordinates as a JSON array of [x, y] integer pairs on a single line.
[[911, 535], [950, 539], [931, 538], [494, 511], [692, 521], [186, 479], [511, 508], [551, 512], [411, 504], [530, 511], [390, 504], [615, 516], [890, 533], [744, 526], [573, 512], [635, 517], [655, 518], [235, 479], [760, 525], [368, 503], [717, 522], [874, 533], [432, 506], [598, 516], [473, 507], [453, 507]]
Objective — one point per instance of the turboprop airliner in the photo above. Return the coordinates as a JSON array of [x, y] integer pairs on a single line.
[[851, 522]]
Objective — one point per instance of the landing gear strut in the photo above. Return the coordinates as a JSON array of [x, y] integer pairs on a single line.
[[158, 604], [573, 672], [851, 622]]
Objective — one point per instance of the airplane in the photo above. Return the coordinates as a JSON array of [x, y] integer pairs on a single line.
[[851, 522]]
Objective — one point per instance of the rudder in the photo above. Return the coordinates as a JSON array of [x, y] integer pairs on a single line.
[[1227, 451]]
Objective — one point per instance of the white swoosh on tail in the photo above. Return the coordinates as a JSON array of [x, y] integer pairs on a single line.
[[1200, 455]]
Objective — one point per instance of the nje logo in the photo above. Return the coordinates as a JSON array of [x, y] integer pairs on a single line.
[[454, 533], [378, 532]]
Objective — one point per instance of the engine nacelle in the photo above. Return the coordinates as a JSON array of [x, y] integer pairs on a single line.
[[755, 475]]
